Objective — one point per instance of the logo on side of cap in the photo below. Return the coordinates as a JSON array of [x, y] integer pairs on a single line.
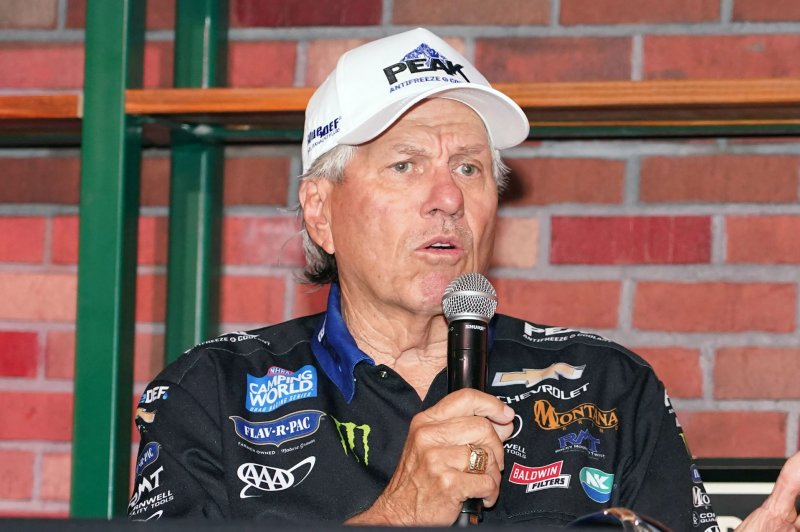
[[423, 58]]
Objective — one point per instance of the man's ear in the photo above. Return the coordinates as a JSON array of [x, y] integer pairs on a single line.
[[314, 198]]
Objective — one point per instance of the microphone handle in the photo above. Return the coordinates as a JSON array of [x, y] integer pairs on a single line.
[[467, 346]]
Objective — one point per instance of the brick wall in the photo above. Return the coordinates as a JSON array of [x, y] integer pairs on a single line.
[[686, 251]]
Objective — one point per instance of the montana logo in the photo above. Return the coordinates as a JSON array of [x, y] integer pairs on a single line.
[[548, 418], [532, 377]]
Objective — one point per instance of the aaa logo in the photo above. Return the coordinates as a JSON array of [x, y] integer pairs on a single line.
[[347, 434]]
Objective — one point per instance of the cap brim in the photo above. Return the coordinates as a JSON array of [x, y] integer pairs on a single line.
[[505, 121]]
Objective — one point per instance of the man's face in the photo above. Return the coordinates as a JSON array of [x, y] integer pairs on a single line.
[[416, 208]]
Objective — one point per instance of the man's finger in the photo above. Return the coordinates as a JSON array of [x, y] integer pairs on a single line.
[[468, 402]]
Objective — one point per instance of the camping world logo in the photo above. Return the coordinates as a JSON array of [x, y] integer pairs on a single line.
[[597, 484], [280, 386], [548, 418]]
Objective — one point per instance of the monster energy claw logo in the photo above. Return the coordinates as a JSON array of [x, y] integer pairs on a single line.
[[347, 435]]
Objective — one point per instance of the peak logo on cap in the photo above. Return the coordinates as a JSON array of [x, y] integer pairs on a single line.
[[423, 58]]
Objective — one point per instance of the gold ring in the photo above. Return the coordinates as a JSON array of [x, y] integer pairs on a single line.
[[478, 460]]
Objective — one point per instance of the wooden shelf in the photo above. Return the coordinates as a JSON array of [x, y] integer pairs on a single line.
[[616, 108]]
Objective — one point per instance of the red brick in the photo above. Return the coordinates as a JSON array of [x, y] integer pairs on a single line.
[[471, 12], [152, 242], [630, 239], [41, 65], [264, 241], [637, 11], [151, 292], [148, 356], [257, 300], [280, 13], [720, 179], [677, 367], [720, 56], [720, 306], [516, 243], [59, 355], [21, 238], [40, 180], [158, 61], [543, 181], [763, 239], [36, 416], [309, 299], [261, 63], [160, 14], [322, 56], [735, 434], [16, 474], [18, 354], [154, 190], [756, 373], [38, 296], [256, 180], [561, 303], [554, 59], [56, 475], [760, 11], [28, 14]]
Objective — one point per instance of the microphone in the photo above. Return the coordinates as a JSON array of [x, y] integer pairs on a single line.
[[469, 302]]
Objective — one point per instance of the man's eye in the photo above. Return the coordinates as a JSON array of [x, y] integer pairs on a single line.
[[468, 170], [402, 167]]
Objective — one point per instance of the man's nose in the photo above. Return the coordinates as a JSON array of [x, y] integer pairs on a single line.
[[445, 195]]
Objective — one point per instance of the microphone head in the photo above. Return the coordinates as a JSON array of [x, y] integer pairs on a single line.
[[469, 296]]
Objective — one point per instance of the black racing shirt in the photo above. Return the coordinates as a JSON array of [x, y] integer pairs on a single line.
[[294, 423]]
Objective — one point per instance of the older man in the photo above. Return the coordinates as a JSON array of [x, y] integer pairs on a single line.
[[345, 416]]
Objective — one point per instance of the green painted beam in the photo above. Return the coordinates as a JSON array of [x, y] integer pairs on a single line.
[[195, 209], [109, 212]]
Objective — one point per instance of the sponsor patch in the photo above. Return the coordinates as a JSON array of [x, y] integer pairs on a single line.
[[280, 386], [515, 449], [558, 393], [145, 415], [703, 518], [695, 474], [423, 58], [582, 441], [154, 394], [289, 427], [597, 484], [143, 498], [548, 418], [148, 455], [359, 447], [531, 376], [269, 478], [536, 334], [700, 498], [539, 478]]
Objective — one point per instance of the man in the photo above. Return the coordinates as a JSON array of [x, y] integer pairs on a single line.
[[344, 416]]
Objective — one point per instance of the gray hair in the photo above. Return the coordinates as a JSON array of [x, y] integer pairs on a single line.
[[320, 265]]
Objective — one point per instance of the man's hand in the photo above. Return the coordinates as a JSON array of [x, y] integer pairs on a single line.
[[430, 482], [778, 513]]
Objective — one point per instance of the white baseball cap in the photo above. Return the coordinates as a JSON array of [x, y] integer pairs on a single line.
[[374, 84]]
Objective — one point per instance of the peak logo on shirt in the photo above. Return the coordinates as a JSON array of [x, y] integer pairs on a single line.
[[531, 377], [280, 386]]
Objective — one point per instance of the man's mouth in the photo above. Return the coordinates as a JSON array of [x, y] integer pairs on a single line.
[[441, 245]]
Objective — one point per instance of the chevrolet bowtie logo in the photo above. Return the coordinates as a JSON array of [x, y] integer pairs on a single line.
[[532, 377]]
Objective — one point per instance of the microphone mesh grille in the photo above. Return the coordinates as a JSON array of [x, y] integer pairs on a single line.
[[469, 296]]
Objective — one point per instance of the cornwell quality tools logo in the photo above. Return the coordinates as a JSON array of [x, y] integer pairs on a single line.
[[548, 418], [358, 446], [280, 386], [268, 478], [289, 427], [143, 497], [597, 484], [423, 58], [539, 478]]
